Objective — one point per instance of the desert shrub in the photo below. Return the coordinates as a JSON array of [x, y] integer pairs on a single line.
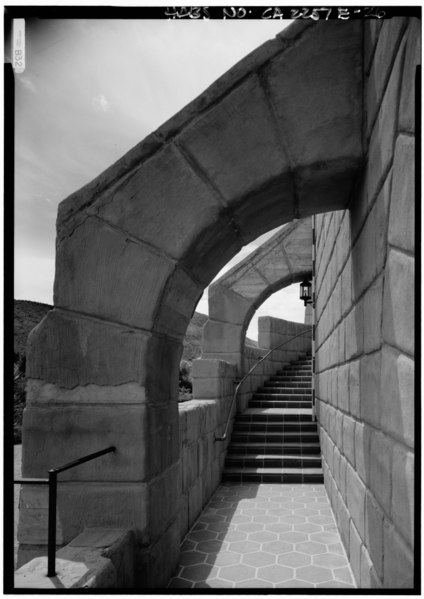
[[185, 382]]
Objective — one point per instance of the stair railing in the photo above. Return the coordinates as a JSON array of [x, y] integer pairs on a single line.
[[52, 510], [224, 436]]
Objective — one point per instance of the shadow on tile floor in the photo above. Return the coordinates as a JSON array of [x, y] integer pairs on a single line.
[[253, 535]]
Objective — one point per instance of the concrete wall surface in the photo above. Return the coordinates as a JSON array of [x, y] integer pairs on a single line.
[[284, 259], [365, 327]]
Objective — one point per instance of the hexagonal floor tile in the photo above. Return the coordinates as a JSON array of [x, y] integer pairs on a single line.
[[335, 584], [211, 546], [237, 573], [307, 527], [213, 583], [311, 547], [324, 537], [188, 558], [250, 527], [258, 558], [343, 574], [263, 536], [201, 535], [223, 558], [199, 572], [179, 583], [232, 535], [314, 574], [329, 560], [294, 559], [244, 547], [253, 583], [275, 573], [293, 583], [277, 547], [293, 537]]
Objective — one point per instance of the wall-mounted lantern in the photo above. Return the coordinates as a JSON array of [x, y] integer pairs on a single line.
[[306, 292]]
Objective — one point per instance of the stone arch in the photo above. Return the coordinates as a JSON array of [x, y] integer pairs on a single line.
[[277, 137], [284, 259]]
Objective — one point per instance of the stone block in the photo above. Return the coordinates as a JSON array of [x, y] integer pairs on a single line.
[[338, 430], [176, 305], [381, 463], [349, 439], [362, 439], [373, 303], [103, 505], [372, 29], [354, 332], [398, 560], [183, 516], [70, 350], [398, 308], [355, 493], [355, 543], [370, 370], [374, 519], [398, 395], [343, 521], [99, 265], [383, 135], [195, 503], [154, 565], [163, 501], [354, 389], [402, 205], [347, 287], [402, 511], [227, 306], [363, 259], [412, 59], [143, 203], [366, 568], [189, 466], [342, 487], [386, 50], [222, 337], [210, 139], [56, 435], [343, 387]]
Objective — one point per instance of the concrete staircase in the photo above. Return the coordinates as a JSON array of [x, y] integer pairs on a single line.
[[275, 439]]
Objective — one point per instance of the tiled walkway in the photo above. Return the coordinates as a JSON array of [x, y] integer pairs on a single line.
[[264, 535]]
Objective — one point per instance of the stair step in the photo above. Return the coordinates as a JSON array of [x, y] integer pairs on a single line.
[[281, 415], [275, 426], [302, 449], [286, 385], [272, 461], [282, 405], [284, 390], [274, 475], [272, 437]]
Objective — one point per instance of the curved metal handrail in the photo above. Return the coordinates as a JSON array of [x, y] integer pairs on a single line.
[[224, 436]]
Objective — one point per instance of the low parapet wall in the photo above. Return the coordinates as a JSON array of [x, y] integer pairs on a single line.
[[201, 419]]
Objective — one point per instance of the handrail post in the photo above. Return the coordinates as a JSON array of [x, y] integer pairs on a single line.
[[51, 549]]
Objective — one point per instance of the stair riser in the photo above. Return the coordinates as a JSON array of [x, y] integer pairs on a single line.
[[293, 462], [280, 385], [273, 478], [293, 450], [289, 379], [295, 417], [264, 438], [286, 405], [276, 427]]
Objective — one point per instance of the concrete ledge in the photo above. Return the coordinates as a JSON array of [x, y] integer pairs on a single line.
[[97, 559]]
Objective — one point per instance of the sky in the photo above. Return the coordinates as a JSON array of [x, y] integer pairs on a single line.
[[91, 90]]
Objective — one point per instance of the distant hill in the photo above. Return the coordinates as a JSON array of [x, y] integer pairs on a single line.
[[29, 314]]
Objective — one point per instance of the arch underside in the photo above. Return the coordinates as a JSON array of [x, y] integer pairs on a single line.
[[284, 259]]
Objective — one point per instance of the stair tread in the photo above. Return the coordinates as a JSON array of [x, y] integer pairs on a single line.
[[262, 470], [272, 456], [276, 411]]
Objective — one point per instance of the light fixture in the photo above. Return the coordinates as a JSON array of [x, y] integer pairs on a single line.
[[306, 292]]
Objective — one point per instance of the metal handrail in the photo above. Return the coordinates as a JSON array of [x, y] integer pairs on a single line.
[[52, 482], [224, 436]]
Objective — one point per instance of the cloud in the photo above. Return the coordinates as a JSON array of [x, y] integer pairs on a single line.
[[27, 83], [100, 102]]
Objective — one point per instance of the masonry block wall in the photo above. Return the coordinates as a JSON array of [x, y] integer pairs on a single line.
[[365, 324]]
